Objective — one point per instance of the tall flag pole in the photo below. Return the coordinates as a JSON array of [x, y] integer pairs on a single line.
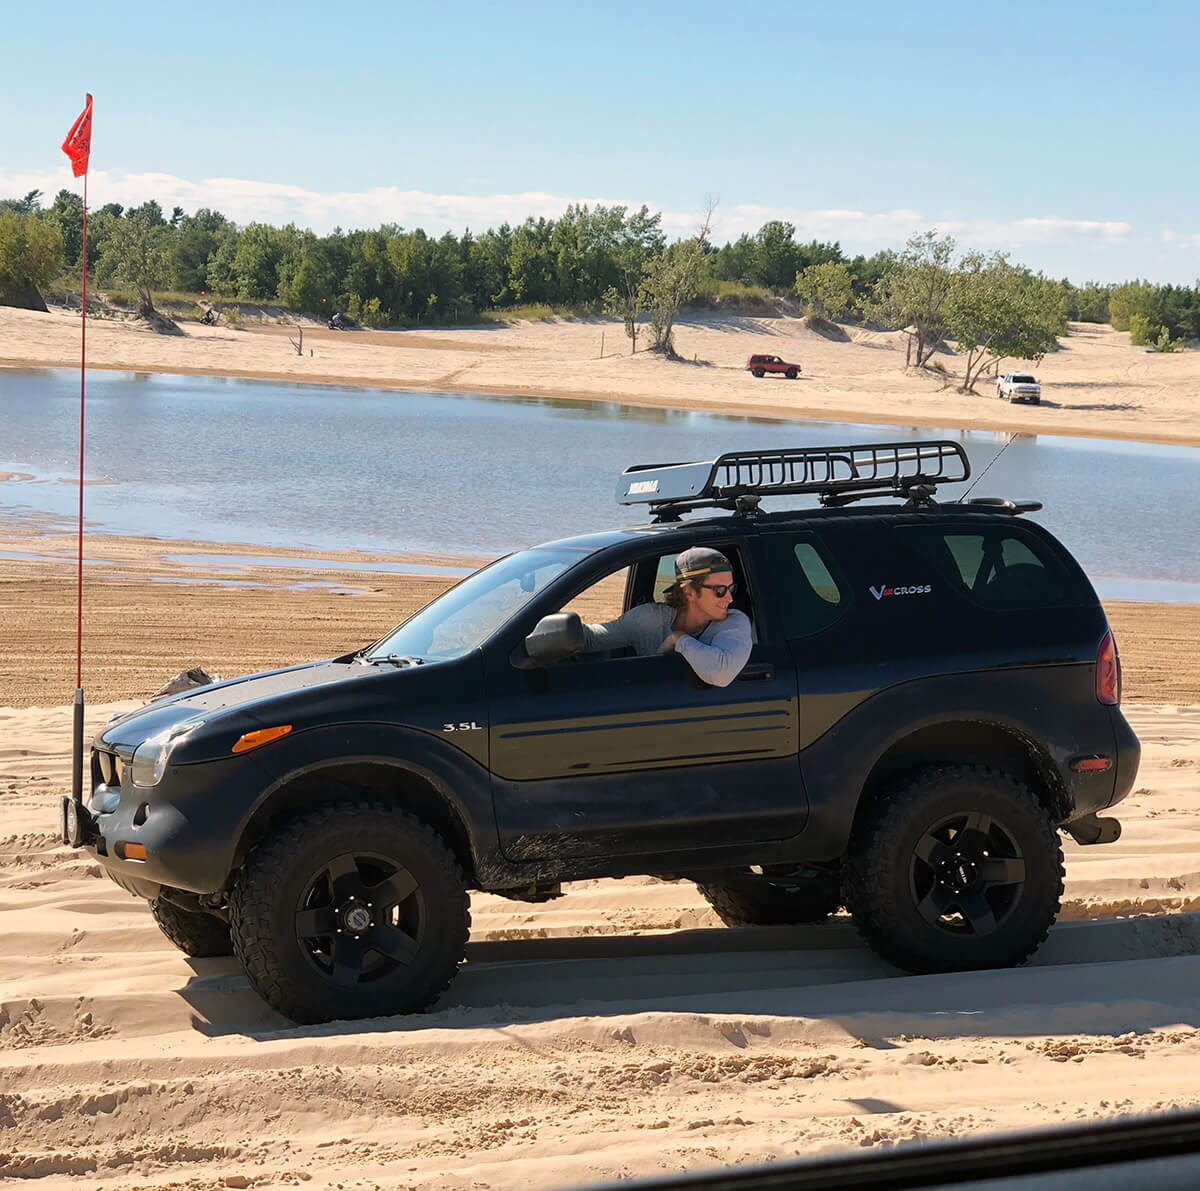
[[78, 147]]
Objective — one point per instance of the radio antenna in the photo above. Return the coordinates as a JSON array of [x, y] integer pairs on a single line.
[[1011, 440]]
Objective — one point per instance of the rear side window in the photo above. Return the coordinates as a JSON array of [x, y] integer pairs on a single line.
[[810, 598], [999, 568]]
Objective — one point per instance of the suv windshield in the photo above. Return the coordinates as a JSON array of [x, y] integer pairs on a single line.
[[1023, 378], [471, 611]]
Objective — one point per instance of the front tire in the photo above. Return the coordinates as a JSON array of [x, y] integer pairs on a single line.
[[194, 932], [745, 898], [792, 373], [961, 869], [352, 910]]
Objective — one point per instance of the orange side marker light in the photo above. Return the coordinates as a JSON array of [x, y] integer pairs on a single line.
[[256, 739]]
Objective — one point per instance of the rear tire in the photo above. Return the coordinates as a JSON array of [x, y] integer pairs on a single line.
[[960, 869], [352, 910], [745, 898], [758, 373], [194, 932]]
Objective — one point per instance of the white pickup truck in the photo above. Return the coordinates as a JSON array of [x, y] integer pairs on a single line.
[[1019, 386]]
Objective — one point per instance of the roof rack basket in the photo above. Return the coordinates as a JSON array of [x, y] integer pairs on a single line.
[[836, 475]]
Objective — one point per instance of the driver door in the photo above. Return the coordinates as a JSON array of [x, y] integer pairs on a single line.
[[603, 755]]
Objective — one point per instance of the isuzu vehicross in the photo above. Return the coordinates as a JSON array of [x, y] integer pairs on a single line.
[[931, 698]]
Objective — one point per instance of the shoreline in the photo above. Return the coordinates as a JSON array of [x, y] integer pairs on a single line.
[[764, 411], [1097, 385]]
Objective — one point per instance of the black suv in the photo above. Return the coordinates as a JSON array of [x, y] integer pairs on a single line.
[[933, 692]]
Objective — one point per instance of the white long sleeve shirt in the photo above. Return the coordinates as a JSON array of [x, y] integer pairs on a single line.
[[717, 655]]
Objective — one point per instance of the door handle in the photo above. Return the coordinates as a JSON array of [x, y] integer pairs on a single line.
[[760, 672]]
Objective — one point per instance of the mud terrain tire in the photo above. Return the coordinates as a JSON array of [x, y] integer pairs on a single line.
[[354, 909], [194, 932], [960, 869], [745, 898]]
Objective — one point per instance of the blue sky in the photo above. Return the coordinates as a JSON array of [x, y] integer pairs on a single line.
[[1063, 134]]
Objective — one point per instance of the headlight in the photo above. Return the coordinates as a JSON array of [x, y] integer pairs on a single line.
[[151, 756]]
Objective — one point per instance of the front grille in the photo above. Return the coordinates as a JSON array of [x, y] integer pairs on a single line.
[[107, 768]]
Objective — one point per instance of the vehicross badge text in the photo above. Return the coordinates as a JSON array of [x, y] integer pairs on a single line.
[[920, 589]]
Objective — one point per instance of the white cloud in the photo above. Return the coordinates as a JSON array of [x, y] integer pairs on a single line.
[[1034, 231], [1181, 239], [246, 201]]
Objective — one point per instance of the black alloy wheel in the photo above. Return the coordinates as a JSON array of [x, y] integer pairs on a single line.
[[759, 373], [351, 910], [960, 869], [966, 873], [361, 918], [792, 374]]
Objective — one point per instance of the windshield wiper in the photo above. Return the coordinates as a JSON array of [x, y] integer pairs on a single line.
[[398, 659]]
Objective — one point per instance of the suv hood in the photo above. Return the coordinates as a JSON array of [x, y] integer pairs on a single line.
[[204, 703]]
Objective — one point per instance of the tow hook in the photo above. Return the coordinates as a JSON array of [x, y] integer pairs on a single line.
[[1092, 829]]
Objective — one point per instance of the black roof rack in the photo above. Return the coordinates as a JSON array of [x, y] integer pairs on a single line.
[[836, 475]]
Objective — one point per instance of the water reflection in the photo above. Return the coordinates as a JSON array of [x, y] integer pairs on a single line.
[[324, 467]]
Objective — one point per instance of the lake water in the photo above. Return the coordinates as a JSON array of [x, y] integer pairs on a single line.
[[321, 467]]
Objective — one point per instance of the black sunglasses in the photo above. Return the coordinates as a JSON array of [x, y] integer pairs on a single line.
[[720, 590]]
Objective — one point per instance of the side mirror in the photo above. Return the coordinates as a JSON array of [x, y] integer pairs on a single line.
[[554, 637]]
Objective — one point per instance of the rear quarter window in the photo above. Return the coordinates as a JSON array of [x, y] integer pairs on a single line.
[[1001, 568]]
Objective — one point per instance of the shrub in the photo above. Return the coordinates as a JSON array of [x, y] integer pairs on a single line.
[[714, 294], [372, 315], [1144, 333], [1166, 343]]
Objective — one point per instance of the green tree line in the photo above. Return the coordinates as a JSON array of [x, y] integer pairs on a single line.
[[600, 257]]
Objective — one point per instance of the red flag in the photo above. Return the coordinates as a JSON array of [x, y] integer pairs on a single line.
[[78, 144]]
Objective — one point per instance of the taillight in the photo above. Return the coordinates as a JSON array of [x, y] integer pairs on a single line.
[[1108, 672]]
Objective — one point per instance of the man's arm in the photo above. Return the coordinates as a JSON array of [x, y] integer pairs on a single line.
[[636, 628], [722, 660]]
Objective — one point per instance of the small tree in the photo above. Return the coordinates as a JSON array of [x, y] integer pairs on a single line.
[[827, 290], [136, 254], [913, 291], [639, 239], [993, 311], [776, 255], [671, 279], [67, 214], [30, 204], [1142, 332], [1165, 343], [31, 254]]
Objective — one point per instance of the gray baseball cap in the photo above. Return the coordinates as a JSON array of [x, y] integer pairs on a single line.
[[700, 560]]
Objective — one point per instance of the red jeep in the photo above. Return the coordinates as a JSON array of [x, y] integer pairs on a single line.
[[761, 365]]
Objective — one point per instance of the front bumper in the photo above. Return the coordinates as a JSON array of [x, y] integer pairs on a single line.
[[181, 834]]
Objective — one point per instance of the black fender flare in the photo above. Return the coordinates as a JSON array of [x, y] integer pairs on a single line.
[[1020, 706], [458, 781]]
